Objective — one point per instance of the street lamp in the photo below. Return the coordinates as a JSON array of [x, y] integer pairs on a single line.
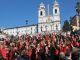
[[26, 25], [26, 22]]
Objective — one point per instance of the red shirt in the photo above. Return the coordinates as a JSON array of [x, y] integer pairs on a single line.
[[30, 53], [77, 44], [4, 53], [56, 53]]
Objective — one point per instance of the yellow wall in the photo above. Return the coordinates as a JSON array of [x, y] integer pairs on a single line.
[[76, 28]]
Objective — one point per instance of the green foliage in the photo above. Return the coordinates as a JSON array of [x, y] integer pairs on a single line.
[[66, 26]]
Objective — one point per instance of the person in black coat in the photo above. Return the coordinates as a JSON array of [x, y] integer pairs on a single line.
[[33, 56]]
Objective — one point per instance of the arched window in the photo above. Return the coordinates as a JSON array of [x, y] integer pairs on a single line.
[[55, 11], [41, 13]]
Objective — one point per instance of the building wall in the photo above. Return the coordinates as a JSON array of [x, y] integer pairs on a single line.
[[75, 28], [75, 22], [21, 30]]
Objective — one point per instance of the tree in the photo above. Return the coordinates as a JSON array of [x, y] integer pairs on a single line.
[[66, 26]]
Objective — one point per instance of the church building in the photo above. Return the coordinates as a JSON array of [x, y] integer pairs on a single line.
[[46, 22]]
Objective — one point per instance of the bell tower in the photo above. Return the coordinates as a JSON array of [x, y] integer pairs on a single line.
[[56, 12], [56, 16], [41, 13]]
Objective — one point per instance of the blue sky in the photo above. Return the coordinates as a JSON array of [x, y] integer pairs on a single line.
[[13, 13]]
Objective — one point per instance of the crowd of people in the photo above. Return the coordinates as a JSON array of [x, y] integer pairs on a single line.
[[42, 47]]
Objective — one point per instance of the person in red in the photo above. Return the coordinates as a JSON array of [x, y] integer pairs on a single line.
[[1, 55], [4, 53], [10, 55], [46, 50], [46, 37], [77, 44], [29, 52], [37, 51], [64, 49], [56, 52]]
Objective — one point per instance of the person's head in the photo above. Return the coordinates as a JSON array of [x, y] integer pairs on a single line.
[[62, 56]]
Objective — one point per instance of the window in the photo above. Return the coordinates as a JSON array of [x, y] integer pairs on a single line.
[[41, 13], [55, 11]]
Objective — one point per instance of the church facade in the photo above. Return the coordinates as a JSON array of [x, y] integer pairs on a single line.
[[46, 22]]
